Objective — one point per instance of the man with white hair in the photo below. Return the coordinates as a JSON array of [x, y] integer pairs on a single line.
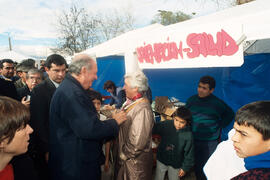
[[76, 133], [33, 78], [135, 134]]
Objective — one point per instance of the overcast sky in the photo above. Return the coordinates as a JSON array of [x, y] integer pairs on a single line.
[[31, 23]]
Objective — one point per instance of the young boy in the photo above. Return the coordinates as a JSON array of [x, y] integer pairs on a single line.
[[252, 139], [106, 167], [175, 152]]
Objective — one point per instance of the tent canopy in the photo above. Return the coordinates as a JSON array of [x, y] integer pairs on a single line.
[[252, 16], [248, 21], [118, 45]]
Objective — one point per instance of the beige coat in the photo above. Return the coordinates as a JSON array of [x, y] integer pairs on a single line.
[[135, 143]]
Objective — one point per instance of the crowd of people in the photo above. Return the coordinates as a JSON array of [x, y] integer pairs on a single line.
[[52, 126]]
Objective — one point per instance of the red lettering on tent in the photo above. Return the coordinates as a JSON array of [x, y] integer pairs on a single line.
[[198, 44], [204, 44]]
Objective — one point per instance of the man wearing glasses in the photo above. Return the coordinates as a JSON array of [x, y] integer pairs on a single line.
[[21, 71]]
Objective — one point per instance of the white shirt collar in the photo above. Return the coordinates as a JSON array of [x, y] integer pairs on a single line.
[[55, 83]]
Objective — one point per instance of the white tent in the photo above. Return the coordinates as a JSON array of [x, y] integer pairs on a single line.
[[13, 56], [118, 45], [252, 16], [252, 19]]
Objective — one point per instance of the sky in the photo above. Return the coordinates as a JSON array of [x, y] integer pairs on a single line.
[[32, 24]]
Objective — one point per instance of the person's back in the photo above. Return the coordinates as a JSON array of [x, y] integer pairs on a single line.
[[224, 164], [75, 129], [66, 137], [176, 150], [252, 140]]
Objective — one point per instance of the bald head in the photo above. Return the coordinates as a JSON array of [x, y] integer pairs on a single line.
[[79, 61]]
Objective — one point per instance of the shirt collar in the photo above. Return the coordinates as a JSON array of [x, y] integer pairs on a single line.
[[55, 83]]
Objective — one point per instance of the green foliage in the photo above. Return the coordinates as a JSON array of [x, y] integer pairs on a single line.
[[168, 17]]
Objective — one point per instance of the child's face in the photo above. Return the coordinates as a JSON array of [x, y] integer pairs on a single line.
[[247, 141], [179, 123], [97, 104]]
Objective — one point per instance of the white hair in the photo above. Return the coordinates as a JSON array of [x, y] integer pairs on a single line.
[[80, 61], [138, 79]]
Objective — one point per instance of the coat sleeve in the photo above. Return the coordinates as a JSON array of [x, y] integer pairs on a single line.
[[121, 96], [83, 119], [227, 116], [140, 133], [189, 157]]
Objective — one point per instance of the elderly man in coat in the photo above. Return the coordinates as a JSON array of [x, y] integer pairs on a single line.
[[76, 133], [135, 134]]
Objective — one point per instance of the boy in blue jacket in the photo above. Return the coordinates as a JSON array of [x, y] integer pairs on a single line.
[[251, 140], [175, 152]]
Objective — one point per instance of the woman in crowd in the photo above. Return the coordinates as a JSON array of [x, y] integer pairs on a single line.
[[14, 134]]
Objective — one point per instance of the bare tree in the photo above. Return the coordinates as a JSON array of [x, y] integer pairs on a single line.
[[114, 23], [79, 29]]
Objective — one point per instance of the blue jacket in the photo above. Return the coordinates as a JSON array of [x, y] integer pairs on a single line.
[[118, 97], [76, 133]]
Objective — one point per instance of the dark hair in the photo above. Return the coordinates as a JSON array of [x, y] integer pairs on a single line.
[[29, 62], [5, 61], [208, 80], [23, 67], [183, 113], [13, 116], [55, 59], [108, 85], [257, 115], [94, 95]]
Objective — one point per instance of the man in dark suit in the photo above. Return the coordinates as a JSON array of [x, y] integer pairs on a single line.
[[8, 89], [76, 133], [55, 67], [7, 69]]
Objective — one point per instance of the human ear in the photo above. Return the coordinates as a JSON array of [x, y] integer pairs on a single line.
[[2, 144], [83, 70], [47, 69]]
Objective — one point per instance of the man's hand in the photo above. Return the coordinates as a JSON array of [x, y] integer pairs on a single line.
[[120, 117], [181, 173], [25, 102], [108, 107]]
